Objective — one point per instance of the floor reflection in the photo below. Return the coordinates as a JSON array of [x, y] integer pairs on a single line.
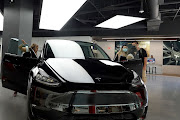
[[164, 97]]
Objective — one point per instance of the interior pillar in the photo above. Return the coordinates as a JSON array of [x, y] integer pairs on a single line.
[[18, 22]]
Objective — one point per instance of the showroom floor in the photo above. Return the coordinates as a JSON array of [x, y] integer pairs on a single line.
[[164, 97]]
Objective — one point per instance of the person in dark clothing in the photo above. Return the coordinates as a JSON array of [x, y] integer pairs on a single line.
[[24, 48], [141, 53]]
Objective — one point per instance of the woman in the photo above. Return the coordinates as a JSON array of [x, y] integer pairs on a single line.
[[122, 52], [24, 48]]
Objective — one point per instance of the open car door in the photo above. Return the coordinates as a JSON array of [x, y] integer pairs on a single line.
[[15, 71], [134, 64]]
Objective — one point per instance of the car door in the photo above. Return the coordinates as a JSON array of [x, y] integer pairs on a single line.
[[15, 71], [134, 64]]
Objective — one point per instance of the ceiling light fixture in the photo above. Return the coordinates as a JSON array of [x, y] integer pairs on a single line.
[[1, 22], [139, 40], [56, 13], [119, 21]]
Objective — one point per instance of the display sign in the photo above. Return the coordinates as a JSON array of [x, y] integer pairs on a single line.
[[171, 53]]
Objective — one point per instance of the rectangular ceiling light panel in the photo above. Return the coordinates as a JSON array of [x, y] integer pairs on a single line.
[[1, 22], [55, 13], [119, 21]]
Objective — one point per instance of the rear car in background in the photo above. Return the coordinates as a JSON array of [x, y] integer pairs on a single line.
[[75, 81]]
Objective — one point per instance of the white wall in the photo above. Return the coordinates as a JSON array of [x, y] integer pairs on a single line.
[[156, 49], [171, 70], [108, 47]]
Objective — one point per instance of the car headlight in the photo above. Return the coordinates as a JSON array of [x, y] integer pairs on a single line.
[[44, 78], [137, 81]]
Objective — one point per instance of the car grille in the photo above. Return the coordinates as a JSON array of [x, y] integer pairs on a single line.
[[127, 116], [55, 115]]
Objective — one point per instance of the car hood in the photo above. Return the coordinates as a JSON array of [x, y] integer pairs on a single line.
[[89, 70]]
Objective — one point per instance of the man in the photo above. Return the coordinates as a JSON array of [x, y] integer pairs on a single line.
[[141, 53], [153, 59]]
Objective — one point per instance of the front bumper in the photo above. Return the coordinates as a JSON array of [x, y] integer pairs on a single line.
[[45, 104], [56, 115]]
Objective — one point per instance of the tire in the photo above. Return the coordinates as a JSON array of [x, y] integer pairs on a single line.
[[145, 112]]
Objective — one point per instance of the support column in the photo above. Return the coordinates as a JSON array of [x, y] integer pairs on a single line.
[[154, 22], [18, 21]]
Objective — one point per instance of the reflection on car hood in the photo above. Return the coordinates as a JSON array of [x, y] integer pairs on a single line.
[[89, 70]]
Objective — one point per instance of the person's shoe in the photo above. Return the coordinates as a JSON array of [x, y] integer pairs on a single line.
[[15, 94]]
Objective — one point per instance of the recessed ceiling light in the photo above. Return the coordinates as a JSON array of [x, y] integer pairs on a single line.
[[119, 21], [56, 13], [1, 22]]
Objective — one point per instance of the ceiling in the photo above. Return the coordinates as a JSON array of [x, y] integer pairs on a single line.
[[94, 12]]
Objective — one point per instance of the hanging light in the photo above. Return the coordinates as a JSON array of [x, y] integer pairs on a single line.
[[141, 9]]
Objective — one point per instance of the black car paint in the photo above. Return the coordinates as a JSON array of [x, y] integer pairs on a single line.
[[107, 73], [111, 77], [135, 64], [17, 68], [15, 72], [122, 84]]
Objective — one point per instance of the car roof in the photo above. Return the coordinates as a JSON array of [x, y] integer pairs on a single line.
[[62, 40]]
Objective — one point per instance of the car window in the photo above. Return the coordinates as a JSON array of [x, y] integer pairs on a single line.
[[63, 49], [91, 50], [49, 53]]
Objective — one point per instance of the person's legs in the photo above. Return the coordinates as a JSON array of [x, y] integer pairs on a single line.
[[144, 76], [15, 93]]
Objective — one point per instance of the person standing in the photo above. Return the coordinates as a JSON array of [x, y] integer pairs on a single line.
[[122, 52], [153, 59], [141, 53], [24, 48]]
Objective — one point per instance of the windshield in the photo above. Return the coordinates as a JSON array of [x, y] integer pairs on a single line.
[[91, 50], [73, 50]]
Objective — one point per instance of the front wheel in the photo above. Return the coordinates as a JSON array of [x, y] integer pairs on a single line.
[[145, 113], [29, 107]]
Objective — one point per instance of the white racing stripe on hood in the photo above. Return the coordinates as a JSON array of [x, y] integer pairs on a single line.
[[70, 70], [107, 62]]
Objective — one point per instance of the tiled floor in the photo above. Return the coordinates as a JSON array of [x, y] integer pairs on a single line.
[[164, 98], [12, 108]]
